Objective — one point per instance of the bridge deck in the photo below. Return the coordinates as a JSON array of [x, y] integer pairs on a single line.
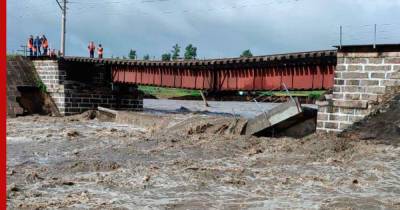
[[298, 71]]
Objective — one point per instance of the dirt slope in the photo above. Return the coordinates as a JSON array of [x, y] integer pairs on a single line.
[[382, 125], [20, 72]]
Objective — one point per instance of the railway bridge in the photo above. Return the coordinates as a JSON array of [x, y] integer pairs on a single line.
[[360, 76], [298, 71]]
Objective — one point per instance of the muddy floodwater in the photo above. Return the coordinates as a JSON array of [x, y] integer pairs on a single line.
[[166, 163]]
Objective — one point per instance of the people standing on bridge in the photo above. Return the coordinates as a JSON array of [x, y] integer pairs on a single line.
[[30, 45], [45, 44], [100, 51], [91, 49], [38, 44]]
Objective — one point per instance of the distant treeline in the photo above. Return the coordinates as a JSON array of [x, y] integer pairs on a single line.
[[189, 54]]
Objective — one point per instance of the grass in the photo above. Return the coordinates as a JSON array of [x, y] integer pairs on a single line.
[[306, 93], [161, 92]]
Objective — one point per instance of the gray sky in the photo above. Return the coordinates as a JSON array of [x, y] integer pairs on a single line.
[[218, 28]]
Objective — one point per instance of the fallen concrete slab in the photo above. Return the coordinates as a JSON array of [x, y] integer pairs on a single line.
[[273, 117], [296, 127], [288, 119]]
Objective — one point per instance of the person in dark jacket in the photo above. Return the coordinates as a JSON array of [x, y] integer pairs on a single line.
[[38, 44], [91, 48]]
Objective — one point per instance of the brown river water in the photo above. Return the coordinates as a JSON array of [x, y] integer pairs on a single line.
[[162, 163]]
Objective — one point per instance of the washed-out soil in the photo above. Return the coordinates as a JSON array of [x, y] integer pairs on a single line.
[[35, 101], [190, 161], [382, 125]]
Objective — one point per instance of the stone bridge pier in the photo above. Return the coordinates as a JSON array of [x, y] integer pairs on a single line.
[[76, 88], [364, 77]]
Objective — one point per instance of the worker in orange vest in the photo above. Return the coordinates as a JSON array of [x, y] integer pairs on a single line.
[[30, 45], [100, 51], [91, 49], [45, 45]]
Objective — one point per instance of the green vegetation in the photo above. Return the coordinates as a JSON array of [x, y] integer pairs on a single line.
[[160, 92], [190, 52], [175, 52], [146, 57], [313, 94], [132, 54], [39, 83], [166, 57], [246, 54]]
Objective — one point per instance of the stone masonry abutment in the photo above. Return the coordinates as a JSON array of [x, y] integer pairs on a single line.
[[76, 88], [363, 76]]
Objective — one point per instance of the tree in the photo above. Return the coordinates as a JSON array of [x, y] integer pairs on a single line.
[[246, 54], [132, 54], [146, 57], [175, 52], [190, 52], [166, 57]]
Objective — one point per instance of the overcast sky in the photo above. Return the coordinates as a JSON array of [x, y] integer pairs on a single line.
[[218, 28]]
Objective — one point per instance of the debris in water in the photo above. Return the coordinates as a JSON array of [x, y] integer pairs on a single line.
[[72, 133], [13, 188], [68, 183], [183, 109], [146, 178]]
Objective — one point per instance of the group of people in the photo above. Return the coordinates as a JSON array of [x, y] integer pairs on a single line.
[[92, 48], [35, 46]]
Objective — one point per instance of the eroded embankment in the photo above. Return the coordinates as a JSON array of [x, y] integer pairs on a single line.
[[173, 161], [26, 93], [382, 125]]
